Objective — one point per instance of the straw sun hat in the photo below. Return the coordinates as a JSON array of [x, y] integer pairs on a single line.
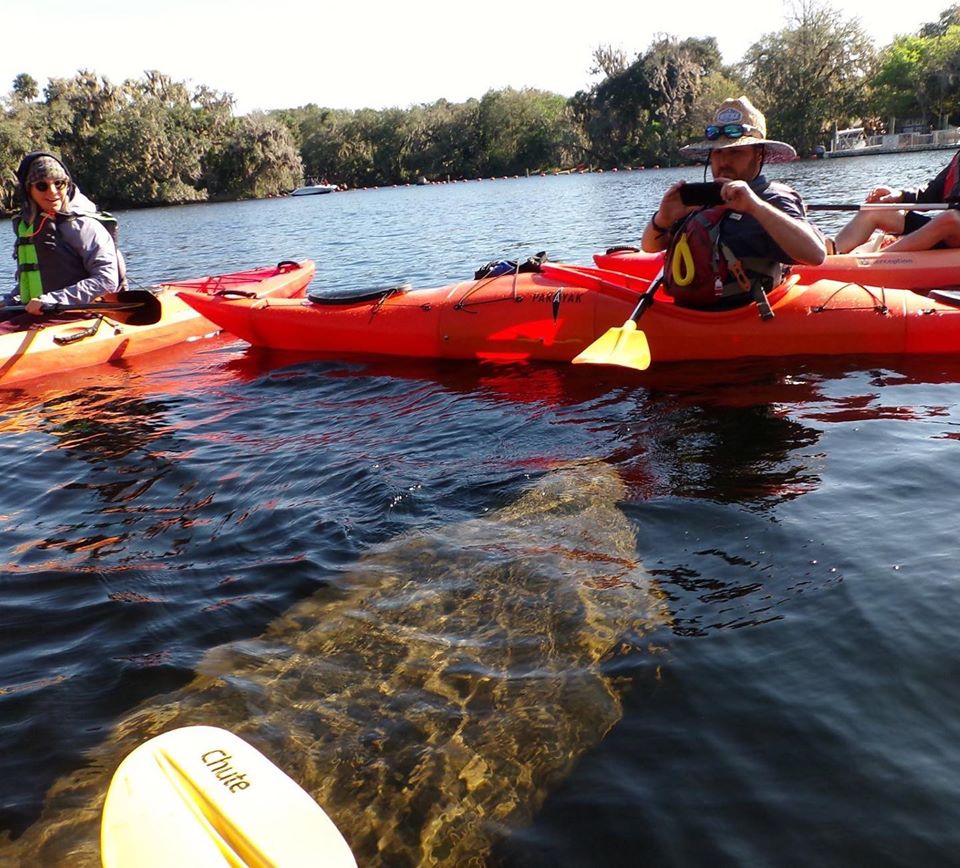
[[740, 111]]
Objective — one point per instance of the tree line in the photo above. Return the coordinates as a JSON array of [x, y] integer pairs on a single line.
[[153, 140]]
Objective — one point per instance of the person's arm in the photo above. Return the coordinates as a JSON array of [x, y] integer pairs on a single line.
[[934, 190], [793, 235], [97, 251], [656, 235]]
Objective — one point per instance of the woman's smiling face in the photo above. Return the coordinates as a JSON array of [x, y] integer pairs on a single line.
[[50, 194]]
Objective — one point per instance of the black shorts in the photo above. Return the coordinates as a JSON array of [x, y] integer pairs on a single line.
[[914, 220]]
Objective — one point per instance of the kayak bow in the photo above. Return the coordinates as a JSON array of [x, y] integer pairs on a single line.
[[159, 319]]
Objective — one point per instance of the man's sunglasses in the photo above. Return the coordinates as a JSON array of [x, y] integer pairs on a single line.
[[731, 131], [43, 186]]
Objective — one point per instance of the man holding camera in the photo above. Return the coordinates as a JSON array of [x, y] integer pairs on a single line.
[[727, 242]]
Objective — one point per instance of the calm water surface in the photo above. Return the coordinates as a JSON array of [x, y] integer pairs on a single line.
[[796, 704]]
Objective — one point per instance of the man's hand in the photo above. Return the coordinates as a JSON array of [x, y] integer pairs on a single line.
[[671, 207], [884, 194], [738, 196]]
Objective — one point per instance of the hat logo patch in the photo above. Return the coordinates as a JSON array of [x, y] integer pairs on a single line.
[[729, 116]]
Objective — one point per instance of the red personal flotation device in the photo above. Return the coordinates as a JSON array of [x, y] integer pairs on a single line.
[[952, 180], [701, 271]]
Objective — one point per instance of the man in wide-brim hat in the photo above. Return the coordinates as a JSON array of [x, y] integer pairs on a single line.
[[754, 220], [736, 124]]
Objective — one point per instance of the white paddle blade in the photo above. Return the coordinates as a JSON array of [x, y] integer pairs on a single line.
[[202, 796]]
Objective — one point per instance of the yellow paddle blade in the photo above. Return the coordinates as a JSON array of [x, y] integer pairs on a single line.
[[201, 796], [624, 346]]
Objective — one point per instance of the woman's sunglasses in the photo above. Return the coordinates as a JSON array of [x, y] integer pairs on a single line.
[[43, 186], [731, 131]]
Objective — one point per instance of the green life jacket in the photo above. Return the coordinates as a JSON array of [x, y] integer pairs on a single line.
[[31, 285], [28, 258]]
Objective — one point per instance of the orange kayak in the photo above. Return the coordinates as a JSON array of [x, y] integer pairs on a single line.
[[85, 342], [925, 269], [555, 314]]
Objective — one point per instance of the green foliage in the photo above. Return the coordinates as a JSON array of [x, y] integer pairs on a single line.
[[150, 151], [507, 132], [25, 88], [899, 78], [918, 76], [645, 111], [444, 141], [521, 131], [616, 119], [938, 28], [257, 159], [810, 75], [156, 140]]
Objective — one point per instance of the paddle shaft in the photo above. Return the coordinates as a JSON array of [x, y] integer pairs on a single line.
[[592, 278], [71, 308], [883, 206], [129, 306], [646, 297]]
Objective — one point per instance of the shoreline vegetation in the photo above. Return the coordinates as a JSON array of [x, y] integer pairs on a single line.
[[156, 141]]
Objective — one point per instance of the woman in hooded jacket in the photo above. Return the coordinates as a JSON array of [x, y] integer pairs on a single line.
[[65, 254]]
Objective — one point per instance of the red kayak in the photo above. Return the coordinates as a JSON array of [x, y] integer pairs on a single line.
[[555, 314], [925, 269], [156, 318]]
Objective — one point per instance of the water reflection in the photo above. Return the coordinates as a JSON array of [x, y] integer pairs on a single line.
[[743, 432], [686, 443], [668, 434]]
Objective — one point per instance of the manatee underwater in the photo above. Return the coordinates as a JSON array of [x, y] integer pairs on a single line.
[[434, 697]]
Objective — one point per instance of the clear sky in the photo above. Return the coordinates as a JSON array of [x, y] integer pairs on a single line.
[[343, 54]]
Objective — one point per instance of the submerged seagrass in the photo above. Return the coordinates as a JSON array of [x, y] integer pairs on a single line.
[[437, 699]]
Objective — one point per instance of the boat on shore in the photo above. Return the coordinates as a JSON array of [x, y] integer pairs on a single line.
[[92, 340], [314, 189], [555, 314]]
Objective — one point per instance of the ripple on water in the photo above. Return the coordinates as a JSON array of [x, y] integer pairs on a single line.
[[797, 519]]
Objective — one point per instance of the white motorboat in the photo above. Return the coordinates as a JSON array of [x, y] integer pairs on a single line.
[[314, 189]]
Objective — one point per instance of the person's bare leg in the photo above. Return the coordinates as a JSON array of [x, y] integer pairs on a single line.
[[943, 228], [864, 224]]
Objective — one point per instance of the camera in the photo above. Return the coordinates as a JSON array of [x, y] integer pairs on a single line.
[[701, 194]]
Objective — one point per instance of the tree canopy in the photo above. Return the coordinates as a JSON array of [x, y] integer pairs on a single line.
[[812, 73], [155, 140]]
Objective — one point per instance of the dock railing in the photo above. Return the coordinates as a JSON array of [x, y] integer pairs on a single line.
[[852, 145]]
